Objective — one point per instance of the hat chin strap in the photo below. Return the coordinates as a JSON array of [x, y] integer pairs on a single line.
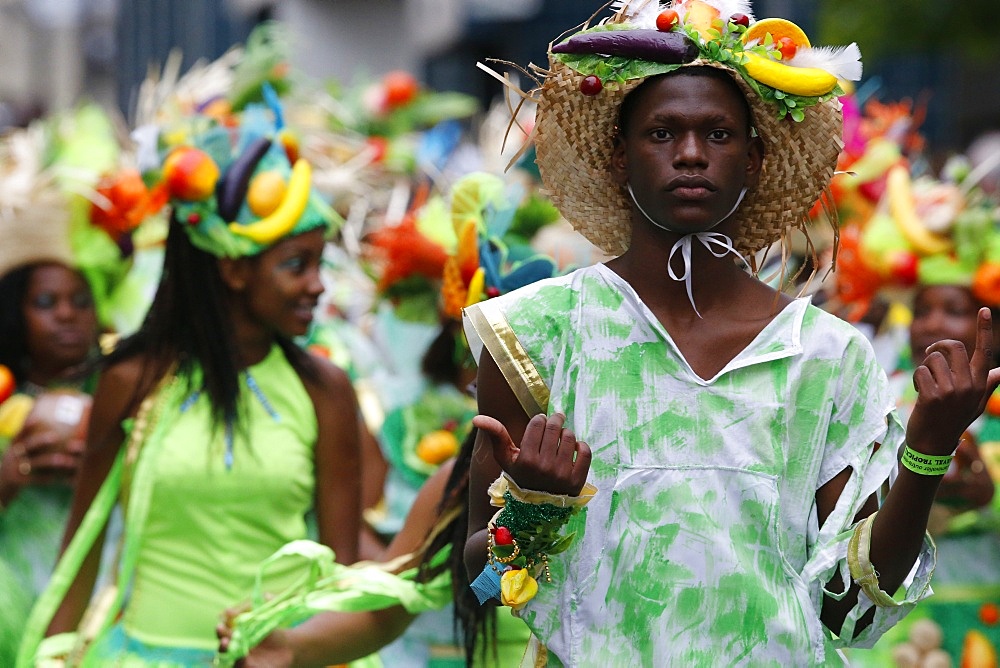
[[717, 243]]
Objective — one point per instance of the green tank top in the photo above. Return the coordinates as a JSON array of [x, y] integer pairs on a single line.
[[218, 507]]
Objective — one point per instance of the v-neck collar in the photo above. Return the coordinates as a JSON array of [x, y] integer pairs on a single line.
[[780, 338]]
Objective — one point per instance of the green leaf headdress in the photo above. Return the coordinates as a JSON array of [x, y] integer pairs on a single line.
[[237, 187]]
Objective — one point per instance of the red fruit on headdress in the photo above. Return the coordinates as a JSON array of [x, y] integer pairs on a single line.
[[591, 85], [190, 174], [6, 383], [873, 190], [290, 143], [986, 283], [378, 146], [666, 20], [903, 267], [740, 20], [503, 536], [989, 613], [467, 253], [787, 47], [400, 88]]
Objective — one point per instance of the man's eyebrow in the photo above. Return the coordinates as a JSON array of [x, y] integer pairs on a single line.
[[707, 118]]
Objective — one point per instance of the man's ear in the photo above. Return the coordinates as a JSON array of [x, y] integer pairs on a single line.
[[235, 272], [619, 162], [755, 160]]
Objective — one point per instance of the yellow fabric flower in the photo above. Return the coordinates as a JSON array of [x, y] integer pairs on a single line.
[[517, 587]]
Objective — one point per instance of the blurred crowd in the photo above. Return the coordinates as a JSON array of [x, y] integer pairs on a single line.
[[429, 203]]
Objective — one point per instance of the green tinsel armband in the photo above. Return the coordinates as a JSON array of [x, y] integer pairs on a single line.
[[522, 536], [520, 517]]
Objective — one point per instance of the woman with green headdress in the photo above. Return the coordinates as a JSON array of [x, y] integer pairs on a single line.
[[211, 427]]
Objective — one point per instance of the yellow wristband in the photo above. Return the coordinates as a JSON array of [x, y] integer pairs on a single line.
[[859, 563]]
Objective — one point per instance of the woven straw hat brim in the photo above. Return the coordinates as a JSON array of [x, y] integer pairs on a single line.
[[574, 143], [37, 233]]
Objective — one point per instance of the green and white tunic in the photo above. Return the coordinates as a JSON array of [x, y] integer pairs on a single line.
[[702, 546]]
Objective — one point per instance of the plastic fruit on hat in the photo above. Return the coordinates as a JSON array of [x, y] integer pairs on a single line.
[[902, 266], [778, 28], [190, 174], [400, 88], [787, 48], [6, 383], [266, 192], [989, 613], [437, 447], [740, 20], [700, 15], [666, 20], [591, 85], [977, 650], [290, 143]]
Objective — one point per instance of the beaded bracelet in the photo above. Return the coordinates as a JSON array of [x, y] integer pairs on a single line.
[[923, 464]]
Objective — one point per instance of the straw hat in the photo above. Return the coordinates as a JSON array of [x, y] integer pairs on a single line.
[[801, 133], [34, 210]]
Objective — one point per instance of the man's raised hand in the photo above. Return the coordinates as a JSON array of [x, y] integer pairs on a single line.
[[952, 390], [549, 458]]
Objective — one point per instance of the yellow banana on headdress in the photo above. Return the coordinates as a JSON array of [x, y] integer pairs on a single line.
[[237, 186]]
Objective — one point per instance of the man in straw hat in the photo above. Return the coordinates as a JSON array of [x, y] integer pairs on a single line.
[[736, 439]]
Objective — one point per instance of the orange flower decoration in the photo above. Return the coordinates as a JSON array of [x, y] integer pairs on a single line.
[[126, 202], [407, 253]]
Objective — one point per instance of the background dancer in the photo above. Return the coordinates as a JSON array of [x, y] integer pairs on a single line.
[[225, 431]]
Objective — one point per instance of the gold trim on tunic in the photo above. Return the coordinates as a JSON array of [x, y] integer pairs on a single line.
[[516, 366]]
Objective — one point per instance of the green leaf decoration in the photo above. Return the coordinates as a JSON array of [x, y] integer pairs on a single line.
[[563, 544], [503, 551]]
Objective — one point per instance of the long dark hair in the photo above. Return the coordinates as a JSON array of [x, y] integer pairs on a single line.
[[472, 620], [13, 334], [188, 323]]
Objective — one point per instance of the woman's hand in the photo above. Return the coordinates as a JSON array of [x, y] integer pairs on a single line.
[[549, 459], [38, 455], [952, 391], [274, 651]]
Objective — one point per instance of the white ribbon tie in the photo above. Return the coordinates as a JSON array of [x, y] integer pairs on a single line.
[[717, 243]]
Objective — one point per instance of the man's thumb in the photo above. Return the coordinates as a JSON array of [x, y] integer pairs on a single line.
[[503, 447]]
